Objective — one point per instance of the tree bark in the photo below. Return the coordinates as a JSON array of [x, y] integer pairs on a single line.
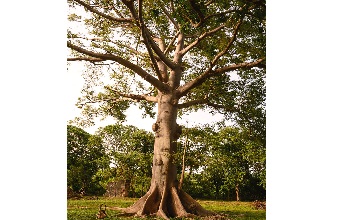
[[183, 165], [237, 193], [164, 198]]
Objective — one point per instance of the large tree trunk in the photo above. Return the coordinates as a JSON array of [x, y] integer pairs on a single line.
[[164, 198]]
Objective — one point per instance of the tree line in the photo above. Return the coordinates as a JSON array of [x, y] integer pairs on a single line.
[[226, 163]]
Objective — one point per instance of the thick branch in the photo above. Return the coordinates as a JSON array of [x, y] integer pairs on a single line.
[[138, 70], [179, 47], [143, 27], [139, 97], [124, 97], [158, 51], [148, 37], [88, 7], [176, 74], [130, 5], [120, 45], [162, 67], [183, 90]]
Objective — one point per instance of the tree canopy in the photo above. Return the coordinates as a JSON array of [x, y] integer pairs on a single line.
[[137, 44]]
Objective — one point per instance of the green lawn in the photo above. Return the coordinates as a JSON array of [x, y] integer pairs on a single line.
[[85, 209]]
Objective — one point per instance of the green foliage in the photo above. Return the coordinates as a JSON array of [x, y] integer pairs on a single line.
[[129, 151], [218, 161], [194, 18], [83, 154], [115, 152]]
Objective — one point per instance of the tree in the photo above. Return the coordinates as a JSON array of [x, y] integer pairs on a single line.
[[229, 158], [129, 151], [221, 163], [179, 54], [83, 152]]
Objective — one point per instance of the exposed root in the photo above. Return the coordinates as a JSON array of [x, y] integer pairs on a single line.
[[169, 203], [151, 204], [192, 206], [179, 209], [162, 214], [145, 205]]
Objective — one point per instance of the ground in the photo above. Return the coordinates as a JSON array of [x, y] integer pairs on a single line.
[[87, 208]]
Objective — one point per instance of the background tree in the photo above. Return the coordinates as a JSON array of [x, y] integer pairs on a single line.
[[232, 159], [129, 151], [221, 164], [83, 152], [179, 54]]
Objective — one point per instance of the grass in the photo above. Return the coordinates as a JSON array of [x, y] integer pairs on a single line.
[[85, 209]]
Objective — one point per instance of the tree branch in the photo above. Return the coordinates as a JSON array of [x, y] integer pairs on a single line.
[[135, 97], [257, 63], [123, 97], [220, 14], [217, 106], [88, 7], [162, 67], [148, 37], [200, 38], [171, 43], [233, 38], [183, 90], [214, 15], [196, 8], [142, 26], [205, 101], [130, 5], [170, 18], [130, 48], [138, 70], [158, 51], [175, 75], [90, 59], [191, 103]]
